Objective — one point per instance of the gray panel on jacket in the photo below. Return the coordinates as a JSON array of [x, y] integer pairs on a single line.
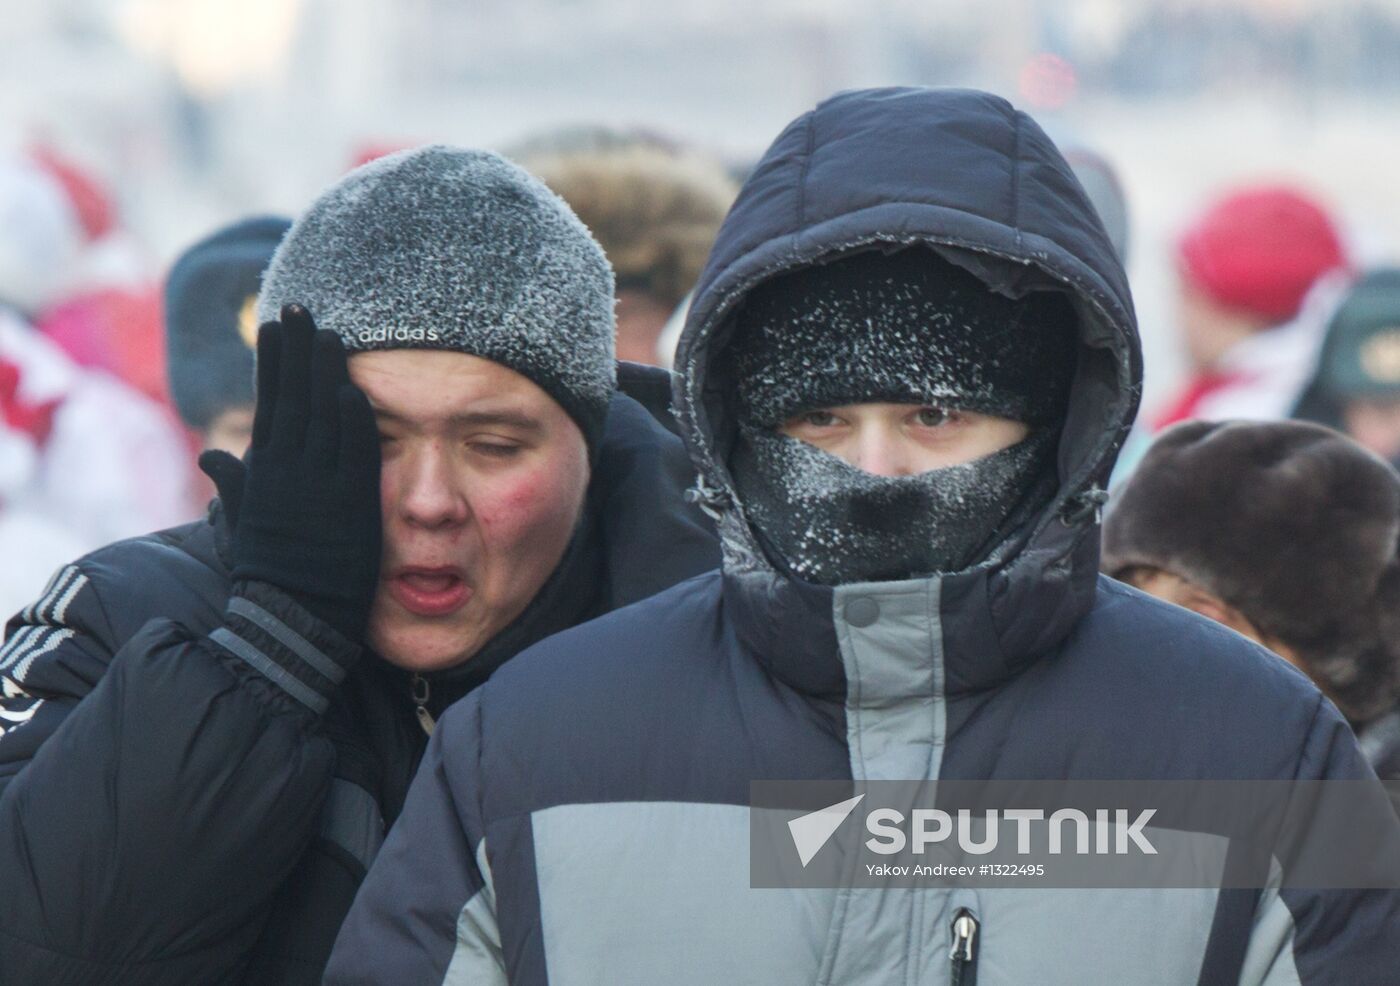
[[891, 645], [640, 893], [1139, 937], [892, 648], [477, 958]]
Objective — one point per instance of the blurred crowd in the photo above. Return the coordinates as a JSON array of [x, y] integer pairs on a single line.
[[115, 374]]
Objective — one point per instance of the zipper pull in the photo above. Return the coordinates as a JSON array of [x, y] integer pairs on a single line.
[[419, 686], [963, 953]]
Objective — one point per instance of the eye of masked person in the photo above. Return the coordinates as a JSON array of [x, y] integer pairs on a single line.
[[903, 439]]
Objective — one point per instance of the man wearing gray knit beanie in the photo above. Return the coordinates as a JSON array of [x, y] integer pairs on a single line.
[[442, 473]]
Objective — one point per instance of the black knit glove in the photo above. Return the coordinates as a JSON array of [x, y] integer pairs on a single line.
[[304, 510]]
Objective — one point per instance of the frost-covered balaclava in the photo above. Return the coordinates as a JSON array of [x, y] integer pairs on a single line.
[[905, 327]]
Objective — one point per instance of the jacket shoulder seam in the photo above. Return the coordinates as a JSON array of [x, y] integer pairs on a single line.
[[1307, 736], [1017, 121], [108, 633], [807, 153]]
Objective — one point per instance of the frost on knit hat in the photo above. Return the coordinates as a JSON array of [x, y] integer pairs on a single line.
[[459, 250], [907, 327]]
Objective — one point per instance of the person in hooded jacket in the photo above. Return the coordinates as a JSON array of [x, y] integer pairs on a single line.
[[205, 732], [910, 362]]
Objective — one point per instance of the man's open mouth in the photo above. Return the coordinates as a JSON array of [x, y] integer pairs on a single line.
[[426, 591]]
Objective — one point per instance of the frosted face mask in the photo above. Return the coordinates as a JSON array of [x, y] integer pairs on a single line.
[[904, 328], [830, 522]]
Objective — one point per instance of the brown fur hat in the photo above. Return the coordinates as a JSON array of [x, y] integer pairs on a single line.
[[654, 209], [1294, 525]]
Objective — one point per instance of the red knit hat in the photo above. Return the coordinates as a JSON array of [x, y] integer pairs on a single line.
[[1261, 249]]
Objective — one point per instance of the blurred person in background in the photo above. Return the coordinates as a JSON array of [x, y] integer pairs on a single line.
[[206, 732], [1287, 533], [1258, 274], [655, 209], [41, 239], [91, 459], [1356, 386], [211, 327], [109, 317], [33, 542]]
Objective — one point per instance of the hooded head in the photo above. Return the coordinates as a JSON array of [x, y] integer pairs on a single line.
[[994, 236], [965, 177], [1285, 530], [893, 413]]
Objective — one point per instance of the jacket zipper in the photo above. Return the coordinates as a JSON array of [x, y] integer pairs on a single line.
[[963, 954], [420, 692]]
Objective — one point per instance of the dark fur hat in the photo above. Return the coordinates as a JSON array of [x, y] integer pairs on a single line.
[[210, 324], [1292, 524]]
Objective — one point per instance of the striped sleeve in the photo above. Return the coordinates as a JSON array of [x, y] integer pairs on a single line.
[[141, 727], [54, 652], [39, 629]]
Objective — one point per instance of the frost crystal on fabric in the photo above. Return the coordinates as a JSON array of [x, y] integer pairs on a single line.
[[907, 327], [833, 523], [443, 248], [911, 328]]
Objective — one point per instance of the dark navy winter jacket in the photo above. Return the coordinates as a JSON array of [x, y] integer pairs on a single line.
[[583, 818], [194, 776]]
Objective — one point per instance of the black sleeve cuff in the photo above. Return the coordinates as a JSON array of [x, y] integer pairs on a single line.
[[302, 655]]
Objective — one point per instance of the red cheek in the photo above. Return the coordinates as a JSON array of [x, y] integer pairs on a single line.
[[515, 503]]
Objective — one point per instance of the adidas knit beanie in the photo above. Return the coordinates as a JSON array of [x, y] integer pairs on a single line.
[[459, 250]]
